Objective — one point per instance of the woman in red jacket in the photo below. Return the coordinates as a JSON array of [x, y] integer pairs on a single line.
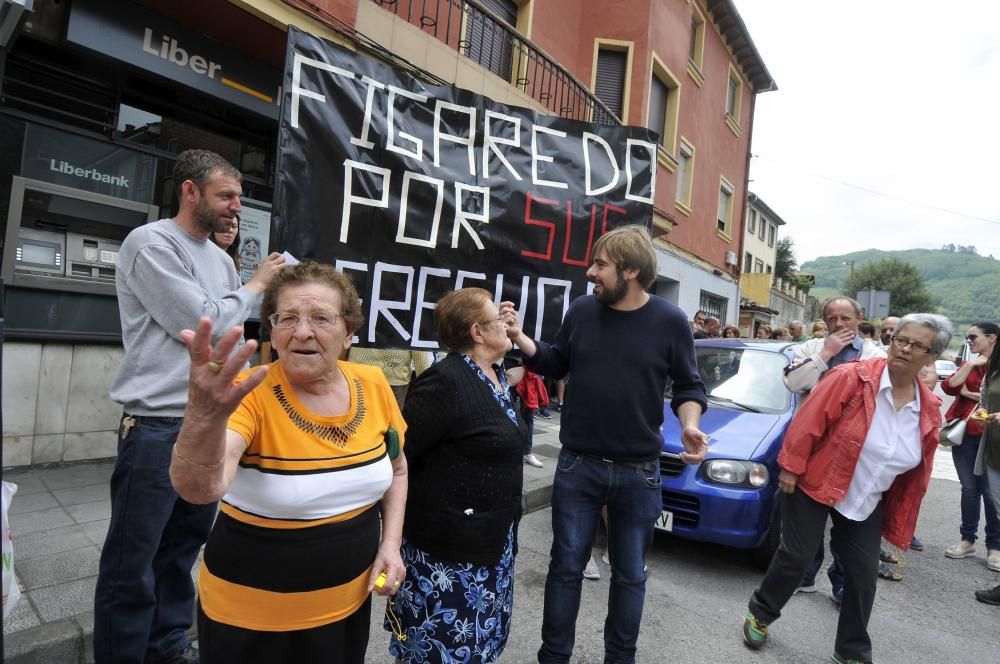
[[964, 385], [859, 450]]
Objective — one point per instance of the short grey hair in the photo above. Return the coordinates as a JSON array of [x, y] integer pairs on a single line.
[[854, 304], [939, 325]]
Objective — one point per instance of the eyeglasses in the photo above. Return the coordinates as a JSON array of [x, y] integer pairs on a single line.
[[903, 342], [286, 320], [495, 319]]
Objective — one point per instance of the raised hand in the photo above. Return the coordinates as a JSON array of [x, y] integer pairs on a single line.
[[212, 392]]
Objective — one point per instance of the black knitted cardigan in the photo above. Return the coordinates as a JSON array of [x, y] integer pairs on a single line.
[[465, 468]]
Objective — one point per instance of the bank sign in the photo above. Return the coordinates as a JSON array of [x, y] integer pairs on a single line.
[[416, 189], [129, 33]]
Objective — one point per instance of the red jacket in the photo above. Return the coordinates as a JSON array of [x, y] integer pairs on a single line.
[[963, 406], [824, 441], [532, 391]]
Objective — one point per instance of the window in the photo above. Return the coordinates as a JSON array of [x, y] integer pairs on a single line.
[[713, 305], [758, 265], [752, 226], [696, 46], [747, 262], [761, 227], [609, 81], [734, 96], [725, 214], [767, 268], [487, 43], [685, 175], [771, 232], [664, 107]]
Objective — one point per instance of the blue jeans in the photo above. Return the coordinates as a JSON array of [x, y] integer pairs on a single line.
[[144, 601], [975, 490], [634, 501], [994, 477]]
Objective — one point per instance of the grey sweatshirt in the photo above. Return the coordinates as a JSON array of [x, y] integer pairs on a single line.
[[166, 281]]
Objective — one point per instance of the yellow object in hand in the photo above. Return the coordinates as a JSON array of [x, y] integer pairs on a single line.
[[380, 581]]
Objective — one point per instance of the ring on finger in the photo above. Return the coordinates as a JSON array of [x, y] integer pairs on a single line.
[[213, 366]]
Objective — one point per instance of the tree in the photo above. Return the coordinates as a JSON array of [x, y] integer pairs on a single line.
[[908, 290], [784, 258]]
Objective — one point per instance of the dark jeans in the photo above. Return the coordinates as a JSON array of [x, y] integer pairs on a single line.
[[834, 572], [857, 543], [634, 501], [144, 601], [975, 491], [528, 415]]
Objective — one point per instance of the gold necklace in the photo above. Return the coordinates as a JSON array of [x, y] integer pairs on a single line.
[[338, 434]]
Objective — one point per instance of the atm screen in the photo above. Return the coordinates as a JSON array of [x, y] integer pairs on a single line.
[[38, 254]]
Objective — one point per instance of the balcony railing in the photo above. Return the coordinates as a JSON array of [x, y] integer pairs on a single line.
[[484, 38]]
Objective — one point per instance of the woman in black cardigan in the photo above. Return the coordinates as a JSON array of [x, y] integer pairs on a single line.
[[463, 448]]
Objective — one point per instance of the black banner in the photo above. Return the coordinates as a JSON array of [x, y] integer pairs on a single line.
[[415, 190]]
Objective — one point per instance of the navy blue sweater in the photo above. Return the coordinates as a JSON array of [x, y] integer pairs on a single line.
[[619, 363]]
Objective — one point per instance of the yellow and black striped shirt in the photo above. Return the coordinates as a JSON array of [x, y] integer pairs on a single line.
[[299, 527]]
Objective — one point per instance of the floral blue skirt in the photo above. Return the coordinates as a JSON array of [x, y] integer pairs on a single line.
[[452, 613]]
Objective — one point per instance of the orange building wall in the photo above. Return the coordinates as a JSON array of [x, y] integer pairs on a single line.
[[567, 32]]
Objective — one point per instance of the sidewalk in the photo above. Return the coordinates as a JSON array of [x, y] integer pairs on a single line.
[[59, 518]]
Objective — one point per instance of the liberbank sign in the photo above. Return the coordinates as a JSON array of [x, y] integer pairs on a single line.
[[129, 33]]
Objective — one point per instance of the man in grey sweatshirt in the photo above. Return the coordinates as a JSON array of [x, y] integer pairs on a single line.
[[169, 275]]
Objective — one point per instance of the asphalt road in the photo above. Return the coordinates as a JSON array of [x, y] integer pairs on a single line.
[[696, 597]]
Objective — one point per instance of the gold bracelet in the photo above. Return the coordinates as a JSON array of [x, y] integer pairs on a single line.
[[206, 466]]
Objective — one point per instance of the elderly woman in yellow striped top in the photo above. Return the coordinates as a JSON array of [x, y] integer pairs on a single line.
[[305, 455]]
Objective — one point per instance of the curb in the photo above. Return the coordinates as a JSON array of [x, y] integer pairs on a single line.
[[60, 642], [70, 640]]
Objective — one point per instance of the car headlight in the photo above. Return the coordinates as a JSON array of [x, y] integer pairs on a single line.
[[734, 472]]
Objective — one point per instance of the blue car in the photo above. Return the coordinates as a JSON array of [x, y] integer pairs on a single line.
[[730, 498]]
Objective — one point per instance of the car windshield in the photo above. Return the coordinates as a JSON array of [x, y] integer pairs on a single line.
[[945, 365], [743, 379]]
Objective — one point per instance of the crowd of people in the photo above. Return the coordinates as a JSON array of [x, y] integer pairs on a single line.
[[327, 475]]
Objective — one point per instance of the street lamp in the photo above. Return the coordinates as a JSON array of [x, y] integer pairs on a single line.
[[851, 263]]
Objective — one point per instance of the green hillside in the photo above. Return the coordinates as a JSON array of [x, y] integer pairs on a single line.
[[965, 287]]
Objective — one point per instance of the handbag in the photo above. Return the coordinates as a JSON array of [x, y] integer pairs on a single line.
[[952, 432]]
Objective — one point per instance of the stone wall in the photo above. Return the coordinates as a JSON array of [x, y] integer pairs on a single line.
[[55, 402]]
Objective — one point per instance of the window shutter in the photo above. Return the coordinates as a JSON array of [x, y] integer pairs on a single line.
[[487, 43], [609, 85], [658, 107]]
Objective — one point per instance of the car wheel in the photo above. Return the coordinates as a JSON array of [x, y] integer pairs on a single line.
[[765, 551]]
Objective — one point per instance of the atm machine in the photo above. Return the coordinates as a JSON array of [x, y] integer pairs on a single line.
[[59, 261]]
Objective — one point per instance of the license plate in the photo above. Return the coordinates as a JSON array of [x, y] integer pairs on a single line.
[[666, 521]]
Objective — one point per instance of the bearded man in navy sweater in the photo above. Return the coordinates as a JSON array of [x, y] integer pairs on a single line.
[[622, 346]]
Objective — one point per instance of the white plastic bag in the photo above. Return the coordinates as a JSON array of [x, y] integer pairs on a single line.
[[11, 591]]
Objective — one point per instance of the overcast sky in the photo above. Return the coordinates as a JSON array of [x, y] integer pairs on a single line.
[[898, 97]]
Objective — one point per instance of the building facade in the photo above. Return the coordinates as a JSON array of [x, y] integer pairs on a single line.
[[97, 97], [765, 299]]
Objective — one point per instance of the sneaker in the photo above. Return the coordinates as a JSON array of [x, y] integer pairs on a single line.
[[993, 560], [591, 571], [532, 460], [916, 544], [991, 596], [187, 656], [754, 632], [961, 550], [836, 596], [605, 559], [840, 659], [806, 588], [544, 412]]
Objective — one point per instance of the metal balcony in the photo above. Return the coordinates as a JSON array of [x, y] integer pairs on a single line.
[[481, 36]]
